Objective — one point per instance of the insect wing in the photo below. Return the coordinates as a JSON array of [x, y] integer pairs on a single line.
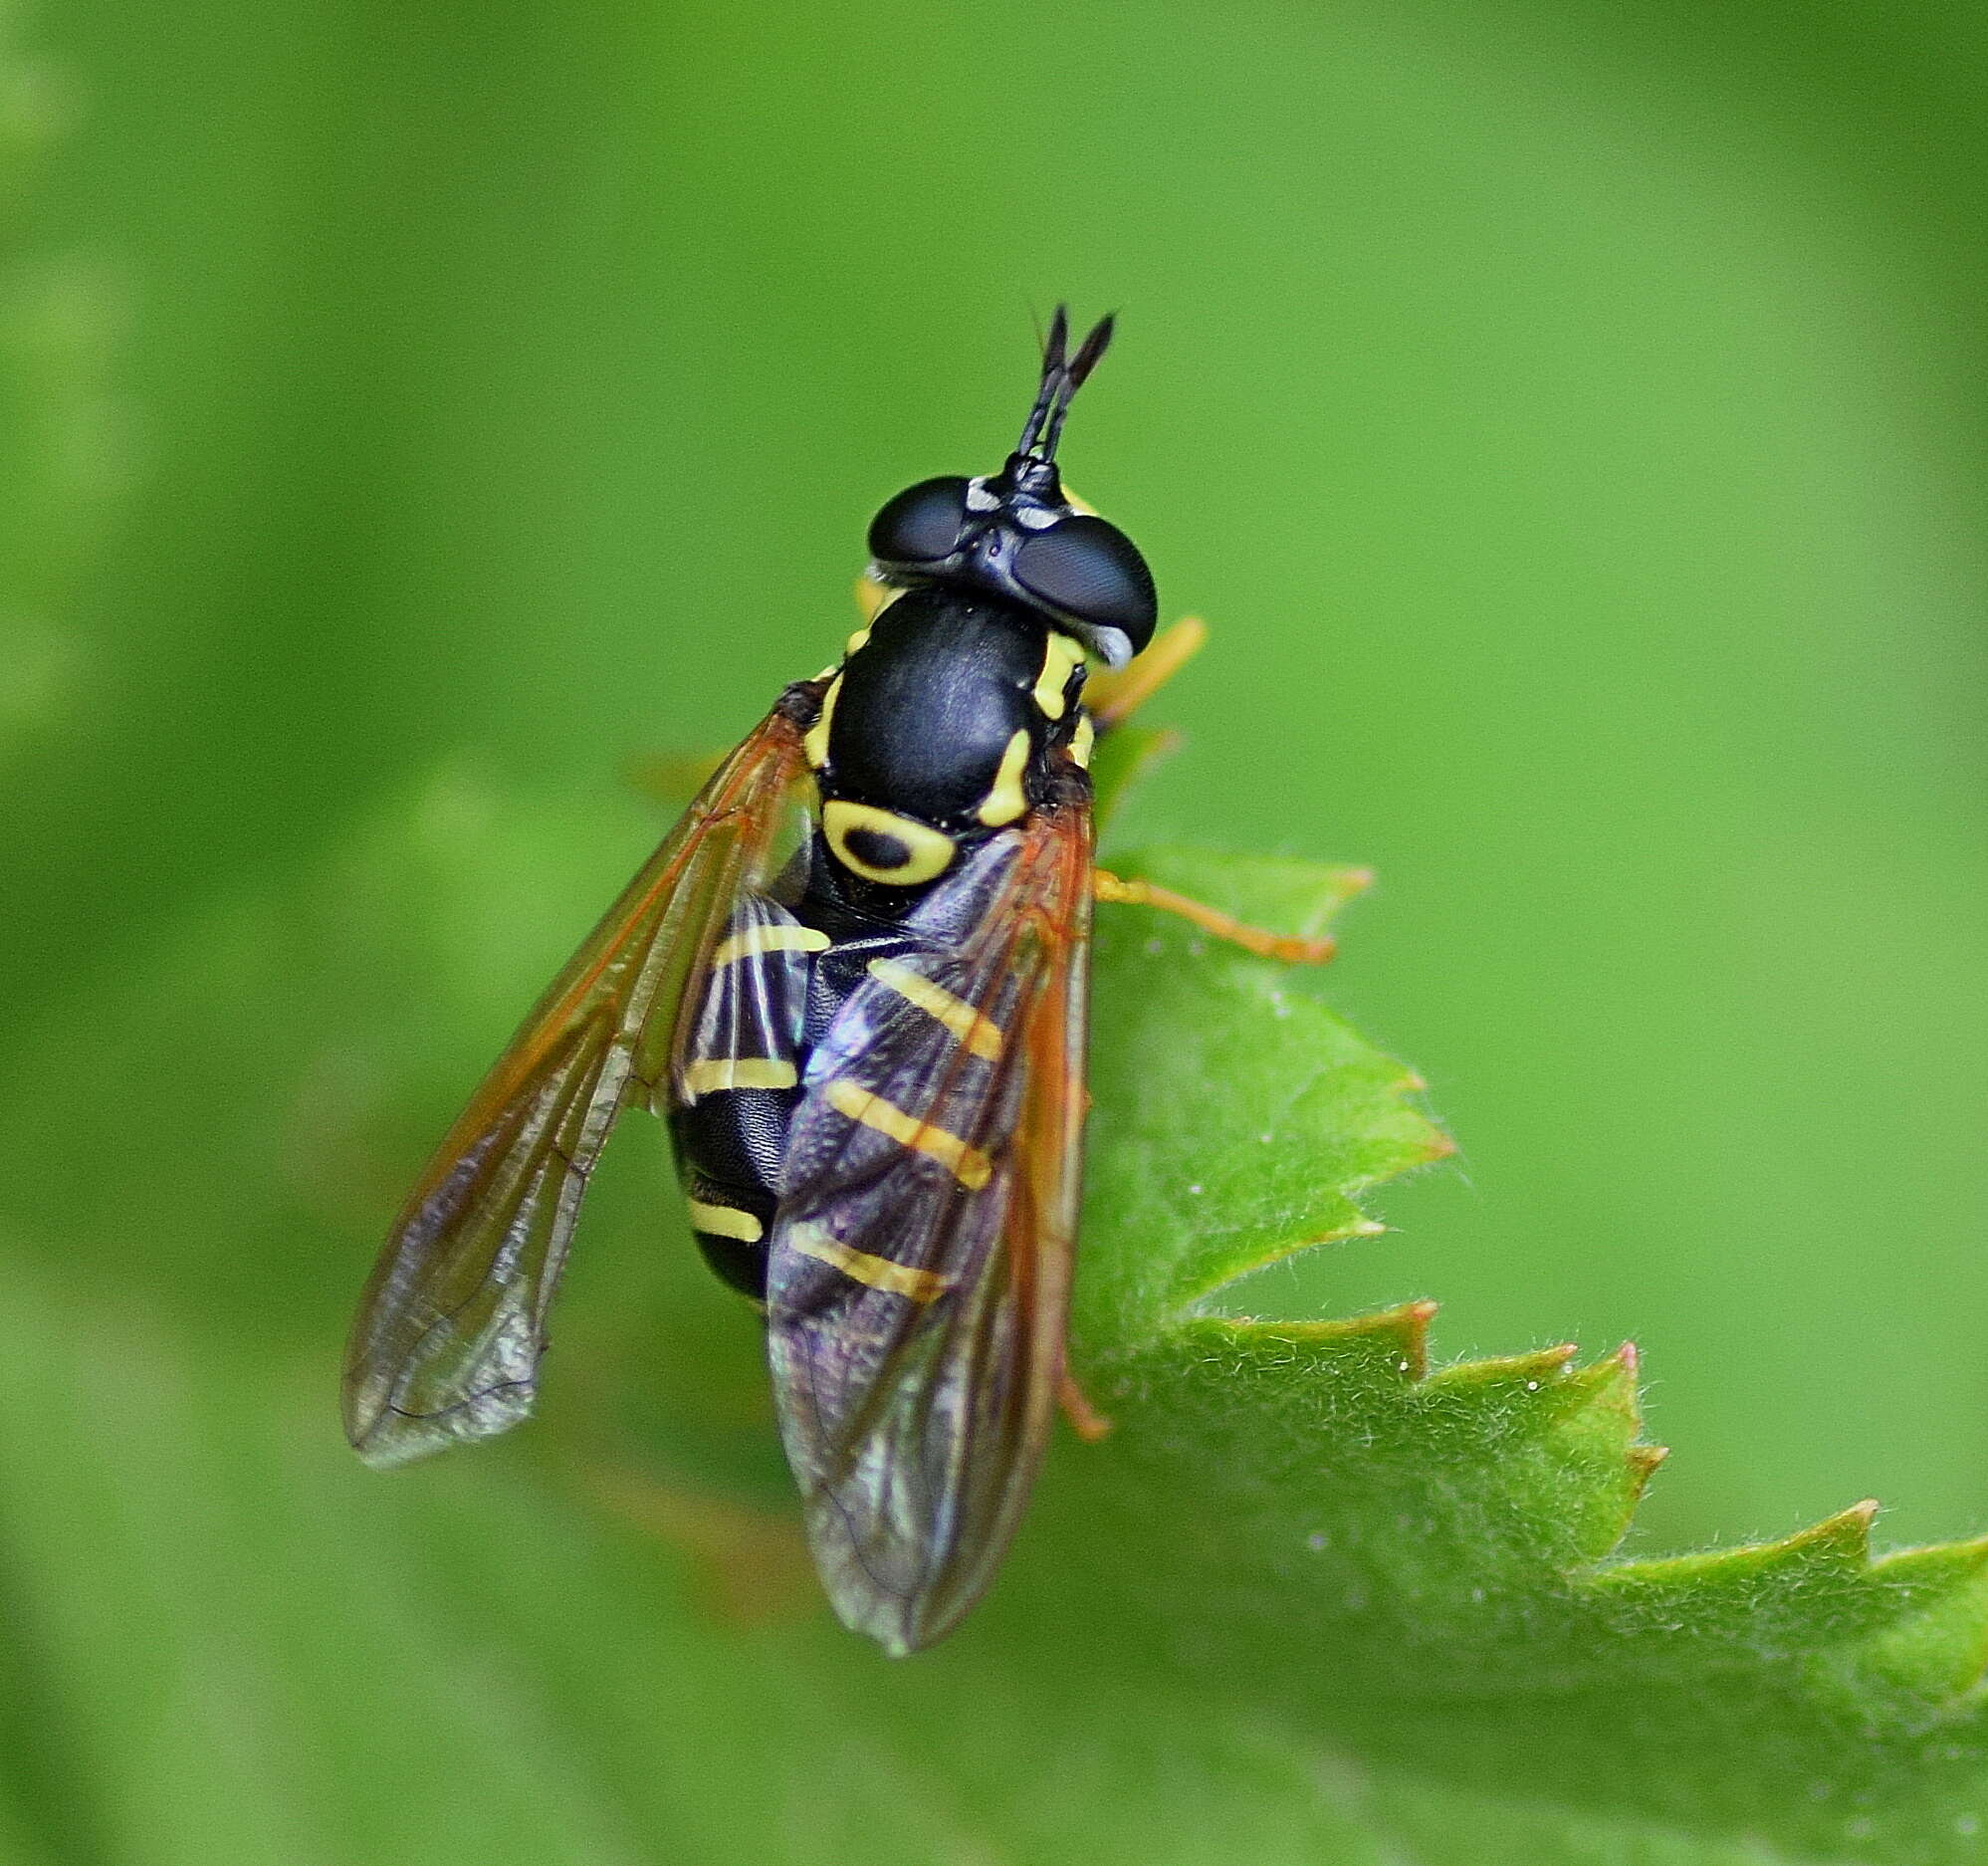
[[449, 1332], [920, 1266]]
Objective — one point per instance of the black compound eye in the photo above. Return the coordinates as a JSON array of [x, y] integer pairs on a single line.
[[1091, 573], [922, 524]]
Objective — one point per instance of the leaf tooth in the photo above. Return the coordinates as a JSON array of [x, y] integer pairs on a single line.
[[1532, 1372], [1415, 1317], [1185, 1301], [1593, 1433], [1847, 1534], [1839, 1545], [1401, 1332], [1611, 1383], [1643, 1461]]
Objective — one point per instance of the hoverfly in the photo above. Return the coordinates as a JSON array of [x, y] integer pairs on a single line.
[[852, 980]]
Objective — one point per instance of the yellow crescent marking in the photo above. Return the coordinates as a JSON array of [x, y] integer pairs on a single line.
[[708, 1078], [1081, 742], [932, 851], [725, 1221], [980, 1035], [769, 939], [872, 599], [920, 1285], [1006, 800], [969, 1165], [816, 743], [1058, 659]]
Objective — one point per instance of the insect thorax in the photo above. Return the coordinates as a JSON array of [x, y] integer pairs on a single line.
[[938, 730]]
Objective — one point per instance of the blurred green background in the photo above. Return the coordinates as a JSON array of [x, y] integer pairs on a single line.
[[1569, 420]]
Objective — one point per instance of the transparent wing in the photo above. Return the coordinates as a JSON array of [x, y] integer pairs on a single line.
[[449, 1332], [920, 1266]]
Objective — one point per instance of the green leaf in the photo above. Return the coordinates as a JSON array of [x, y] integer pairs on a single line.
[[1311, 1599]]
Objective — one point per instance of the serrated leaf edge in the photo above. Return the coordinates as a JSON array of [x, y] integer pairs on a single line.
[[1895, 1587]]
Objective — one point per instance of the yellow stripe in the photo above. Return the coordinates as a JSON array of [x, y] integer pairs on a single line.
[[981, 1035], [705, 1078], [726, 1221], [969, 1165], [1006, 800], [1081, 742], [769, 939], [1058, 659], [921, 1286], [816, 742]]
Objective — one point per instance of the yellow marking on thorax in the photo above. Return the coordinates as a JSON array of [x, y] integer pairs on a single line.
[[1058, 659], [929, 852], [980, 1035], [1007, 800], [769, 939], [879, 1273], [722, 1072], [1081, 742], [872, 599], [967, 1164], [816, 743], [726, 1221]]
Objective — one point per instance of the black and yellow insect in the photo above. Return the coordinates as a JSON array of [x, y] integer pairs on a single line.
[[853, 980]]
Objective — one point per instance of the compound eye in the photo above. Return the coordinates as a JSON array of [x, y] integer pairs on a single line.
[[1092, 573], [922, 524]]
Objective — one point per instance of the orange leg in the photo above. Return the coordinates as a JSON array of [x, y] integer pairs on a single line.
[[1291, 948], [1086, 1421]]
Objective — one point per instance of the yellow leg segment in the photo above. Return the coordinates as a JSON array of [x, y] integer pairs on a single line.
[[1291, 948], [1113, 697]]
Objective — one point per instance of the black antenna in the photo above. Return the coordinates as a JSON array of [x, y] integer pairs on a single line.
[[1080, 365], [1052, 378]]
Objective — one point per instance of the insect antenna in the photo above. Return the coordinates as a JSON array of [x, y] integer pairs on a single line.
[[1080, 367], [1052, 378]]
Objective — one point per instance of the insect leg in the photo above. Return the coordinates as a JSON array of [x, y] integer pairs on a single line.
[[1291, 948], [1113, 697], [1086, 1421]]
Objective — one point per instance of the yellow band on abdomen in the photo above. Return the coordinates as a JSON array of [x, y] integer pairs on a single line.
[[725, 1221], [878, 1272], [710, 1077], [980, 1035], [967, 1164], [773, 938]]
